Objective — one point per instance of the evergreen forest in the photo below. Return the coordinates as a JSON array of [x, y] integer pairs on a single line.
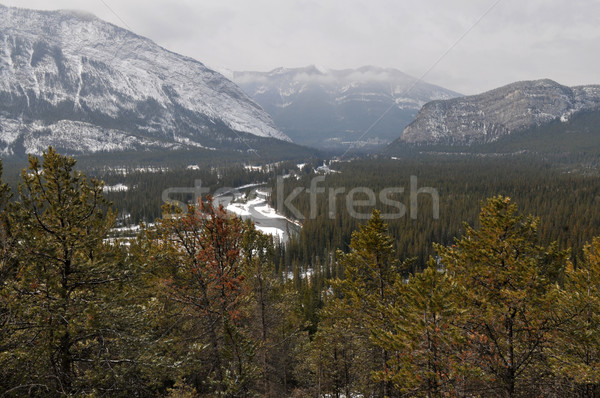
[[494, 294]]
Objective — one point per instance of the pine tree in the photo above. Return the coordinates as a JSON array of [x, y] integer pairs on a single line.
[[198, 260], [8, 269], [334, 359], [424, 342], [507, 291], [260, 275], [576, 355], [64, 338], [371, 270]]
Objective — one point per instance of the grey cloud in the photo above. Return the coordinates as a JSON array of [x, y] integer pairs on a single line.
[[517, 40]]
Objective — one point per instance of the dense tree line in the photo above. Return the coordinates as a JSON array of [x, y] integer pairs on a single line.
[[198, 304], [565, 198]]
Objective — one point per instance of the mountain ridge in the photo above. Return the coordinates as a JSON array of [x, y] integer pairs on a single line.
[[488, 116], [91, 86]]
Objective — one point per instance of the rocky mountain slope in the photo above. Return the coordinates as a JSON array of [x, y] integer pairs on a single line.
[[331, 108], [489, 116], [86, 86]]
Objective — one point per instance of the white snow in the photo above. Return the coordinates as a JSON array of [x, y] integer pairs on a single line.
[[238, 209], [267, 211], [188, 142], [111, 71], [115, 188], [272, 231], [142, 169], [79, 137], [130, 228], [252, 185]]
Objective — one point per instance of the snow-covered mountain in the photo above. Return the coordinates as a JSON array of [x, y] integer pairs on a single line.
[[489, 116], [84, 85], [331, 108]]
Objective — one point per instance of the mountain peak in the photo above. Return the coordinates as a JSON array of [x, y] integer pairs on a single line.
[[333, 108], [66, 75], [79, 14]]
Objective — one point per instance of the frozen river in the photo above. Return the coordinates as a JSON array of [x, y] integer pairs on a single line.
[[258, 210]]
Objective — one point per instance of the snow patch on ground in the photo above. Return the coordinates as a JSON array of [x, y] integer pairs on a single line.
[[267, 211], [142, 169], [253, 168], [115, 188], [238, 209], [258, 209], [272, 231]]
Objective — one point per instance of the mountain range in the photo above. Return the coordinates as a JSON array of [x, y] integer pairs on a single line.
[[83, 85], [492, 115], [328, 108]]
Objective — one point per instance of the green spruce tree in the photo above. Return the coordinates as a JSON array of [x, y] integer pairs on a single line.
[[371, 271]]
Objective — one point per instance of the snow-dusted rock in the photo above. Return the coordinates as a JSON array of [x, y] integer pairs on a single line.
[[488, 116], [72, 78]]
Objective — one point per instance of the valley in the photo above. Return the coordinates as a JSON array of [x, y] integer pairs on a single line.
[[169, 230]]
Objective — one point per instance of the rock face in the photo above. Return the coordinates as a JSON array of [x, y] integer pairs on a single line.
[[505, 110], [331, 108], [84, 85]]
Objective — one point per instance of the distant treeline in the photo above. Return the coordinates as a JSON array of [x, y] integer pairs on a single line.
[[566, 198]]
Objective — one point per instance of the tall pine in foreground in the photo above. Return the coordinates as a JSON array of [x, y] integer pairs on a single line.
[[424, 341], [575, 357], [8, 270], [370, 272], [274, 322], [507, 291], [63, 297], [204, 301]]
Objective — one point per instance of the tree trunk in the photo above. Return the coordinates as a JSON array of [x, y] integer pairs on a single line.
[[65, 361], [214, 344], [510, 372], [263, 327]]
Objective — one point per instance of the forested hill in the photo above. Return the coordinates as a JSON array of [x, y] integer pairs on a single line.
[[565, 197]]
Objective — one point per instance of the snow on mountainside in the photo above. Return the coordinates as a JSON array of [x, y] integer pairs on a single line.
[[82, 84], [487, 117], [317, 106]]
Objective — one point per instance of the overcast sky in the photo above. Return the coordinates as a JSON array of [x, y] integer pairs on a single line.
[[515, 40]]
